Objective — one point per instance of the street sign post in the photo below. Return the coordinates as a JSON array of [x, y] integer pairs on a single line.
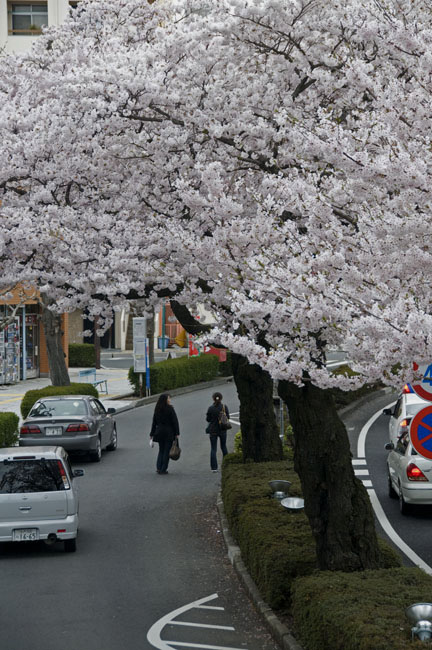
[[140, 352], [421, 432]]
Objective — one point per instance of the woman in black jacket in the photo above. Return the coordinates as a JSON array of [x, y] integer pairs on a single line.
[[165, 428], [214, 429]]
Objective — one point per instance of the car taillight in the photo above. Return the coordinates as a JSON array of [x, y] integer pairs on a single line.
[[78, 427], [414, 473], [404, 423], [30, 428], [63, 474]]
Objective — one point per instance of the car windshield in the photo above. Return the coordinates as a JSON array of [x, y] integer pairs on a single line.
[[30, 476], [55, 408]]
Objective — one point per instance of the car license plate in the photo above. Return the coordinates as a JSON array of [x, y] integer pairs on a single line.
[[25, 534], [53, 431]]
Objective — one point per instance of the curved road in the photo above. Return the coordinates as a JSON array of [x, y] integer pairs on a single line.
[[150, 561], [369, 427]]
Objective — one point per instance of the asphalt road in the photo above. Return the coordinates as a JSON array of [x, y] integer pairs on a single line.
[[149, 549], [414, 529]]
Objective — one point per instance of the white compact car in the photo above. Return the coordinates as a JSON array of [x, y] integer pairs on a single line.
[[401, 414], [38, 496], [409, 475]]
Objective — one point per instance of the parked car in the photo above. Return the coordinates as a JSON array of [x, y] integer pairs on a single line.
[[38, 496], [401, 414], [79, 423], [409, 475]]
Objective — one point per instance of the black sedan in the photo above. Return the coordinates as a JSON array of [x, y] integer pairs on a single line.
[[78, 423]]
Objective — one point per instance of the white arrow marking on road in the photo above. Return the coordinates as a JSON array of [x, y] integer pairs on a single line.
[[379, 512], [153, 635]]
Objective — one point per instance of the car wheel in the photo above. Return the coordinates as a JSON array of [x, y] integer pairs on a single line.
[[113, 444], [70, 545], [391, 491], [403, 506], [96, 455]]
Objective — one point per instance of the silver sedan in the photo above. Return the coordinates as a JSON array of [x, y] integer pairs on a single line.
[[78, 423]]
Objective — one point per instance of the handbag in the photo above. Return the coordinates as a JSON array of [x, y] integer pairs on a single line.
[[223, 420], [175, 450]]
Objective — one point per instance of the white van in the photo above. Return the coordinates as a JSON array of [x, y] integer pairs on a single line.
[[38, 497]]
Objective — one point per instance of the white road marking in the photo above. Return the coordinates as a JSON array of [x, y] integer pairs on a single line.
[[359, 461], [213, 627], [361, 472], [363, 433], [367, 483], [153, 635], [379, 512]]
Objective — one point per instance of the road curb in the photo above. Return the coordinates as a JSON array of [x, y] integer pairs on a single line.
[[142, 401], [279, 631]]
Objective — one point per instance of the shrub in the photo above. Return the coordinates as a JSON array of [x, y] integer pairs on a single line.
[[175, 373], [8, 429], [358, 611], [31, 396], [225, 367], [276, 545], [82, 355]]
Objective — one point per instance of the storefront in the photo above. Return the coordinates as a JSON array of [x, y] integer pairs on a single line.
[[19, 344]]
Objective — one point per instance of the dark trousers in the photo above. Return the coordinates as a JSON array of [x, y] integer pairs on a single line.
[[163, 455], [213, 444]]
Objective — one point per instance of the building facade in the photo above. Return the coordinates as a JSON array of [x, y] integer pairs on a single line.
[[21, 21]]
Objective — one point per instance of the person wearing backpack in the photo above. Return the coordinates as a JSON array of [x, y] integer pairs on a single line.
[[218, 423]]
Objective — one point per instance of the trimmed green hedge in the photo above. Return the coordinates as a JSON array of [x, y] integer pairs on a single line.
[[225, 367], [358, 611], [8, 429], [277, 546], [82, 355], [175, 373], [31, 396]]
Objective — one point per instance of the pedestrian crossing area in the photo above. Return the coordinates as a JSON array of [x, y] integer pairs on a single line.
[[361, 471]]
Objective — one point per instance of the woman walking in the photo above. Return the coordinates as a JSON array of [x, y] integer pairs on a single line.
[[165, 428], [214, 429]]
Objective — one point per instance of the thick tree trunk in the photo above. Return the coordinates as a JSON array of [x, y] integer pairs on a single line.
[[51, 322], [336, 502], [260, 433]]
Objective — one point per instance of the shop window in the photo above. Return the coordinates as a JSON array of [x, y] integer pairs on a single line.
[[27, 19]]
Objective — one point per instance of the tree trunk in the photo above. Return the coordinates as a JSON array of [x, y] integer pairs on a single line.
[[336, 502], [96, 343], [260, 433], [51, 322]]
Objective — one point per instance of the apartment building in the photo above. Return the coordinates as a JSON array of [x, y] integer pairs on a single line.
[[21, 21]]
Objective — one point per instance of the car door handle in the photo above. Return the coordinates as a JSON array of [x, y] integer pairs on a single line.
[[25, 507]]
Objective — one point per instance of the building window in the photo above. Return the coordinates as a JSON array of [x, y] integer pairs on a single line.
[[27, 19]]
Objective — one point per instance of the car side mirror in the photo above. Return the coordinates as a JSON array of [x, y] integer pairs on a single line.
[[110, 411], [389, 446], [78, 472], [387, 412]]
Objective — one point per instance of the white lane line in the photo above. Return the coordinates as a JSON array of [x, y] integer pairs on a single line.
[[205, 647], [367, 484], [359, 461], [361, 472], [363, 433], [379, 512], [382, 518], [154, 638], [213, 627]]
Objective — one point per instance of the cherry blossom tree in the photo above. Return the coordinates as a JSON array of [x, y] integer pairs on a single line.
[[270, 160]]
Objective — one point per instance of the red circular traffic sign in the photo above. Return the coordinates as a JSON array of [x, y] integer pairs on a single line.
[[421, 432]]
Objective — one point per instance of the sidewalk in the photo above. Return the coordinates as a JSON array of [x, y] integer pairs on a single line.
[[117, 382]]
